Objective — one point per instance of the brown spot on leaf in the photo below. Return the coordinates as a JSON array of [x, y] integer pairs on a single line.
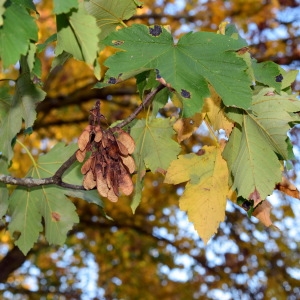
[[185, 94], [279, 78], [55, 216], [117, 43], [155, 30], [112, 80], [200, 152], [242, 50]]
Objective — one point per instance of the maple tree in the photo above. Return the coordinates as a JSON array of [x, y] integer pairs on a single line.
[[209, 78]]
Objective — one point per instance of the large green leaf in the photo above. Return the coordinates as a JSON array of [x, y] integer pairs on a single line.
[[154, 150], [110, 14], [189, 65], [255, 168], [77, 34], [28, 206], [21, 107], [25, 225], [18, 30]]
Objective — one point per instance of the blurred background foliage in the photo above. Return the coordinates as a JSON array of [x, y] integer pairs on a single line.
[[156, 254]]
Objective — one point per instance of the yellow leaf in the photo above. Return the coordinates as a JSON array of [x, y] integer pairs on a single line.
[[214, 113], [189, 167], [204, 197], [185, 127]]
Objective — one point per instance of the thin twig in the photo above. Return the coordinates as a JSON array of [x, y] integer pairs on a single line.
[[148, 99]]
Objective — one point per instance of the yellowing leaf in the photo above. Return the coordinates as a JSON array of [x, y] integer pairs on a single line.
[[185, 127], [154, 149], [204, 197], [215, 115]]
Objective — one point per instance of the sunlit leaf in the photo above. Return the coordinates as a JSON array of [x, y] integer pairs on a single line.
[[272, 113], [77, 34], [110, 14], [204, 197], [154, 148], [255, 166], [28, 206]]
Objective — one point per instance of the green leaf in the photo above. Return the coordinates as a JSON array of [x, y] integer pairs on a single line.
[[160, 100], [26, 3], [21, 107], [24, 208], [110, 14], [232, 149], [288, 78], [136, 199], [196, 60], [272, 114], [155, 149], [18, 30], [77, 34], [3, 199], [29, 206], [63, 7], [60, 59], [205, 194], [266, 73], [256, 167], [146, 81]]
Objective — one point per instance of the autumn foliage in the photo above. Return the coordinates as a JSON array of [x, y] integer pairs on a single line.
[[116, 100]]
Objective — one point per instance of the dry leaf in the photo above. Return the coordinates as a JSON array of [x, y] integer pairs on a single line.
[[262, 213]]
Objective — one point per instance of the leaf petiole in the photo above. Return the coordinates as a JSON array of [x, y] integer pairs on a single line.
[[28, 152]]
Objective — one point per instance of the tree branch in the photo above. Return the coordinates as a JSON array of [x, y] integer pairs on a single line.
[[56, 179]]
